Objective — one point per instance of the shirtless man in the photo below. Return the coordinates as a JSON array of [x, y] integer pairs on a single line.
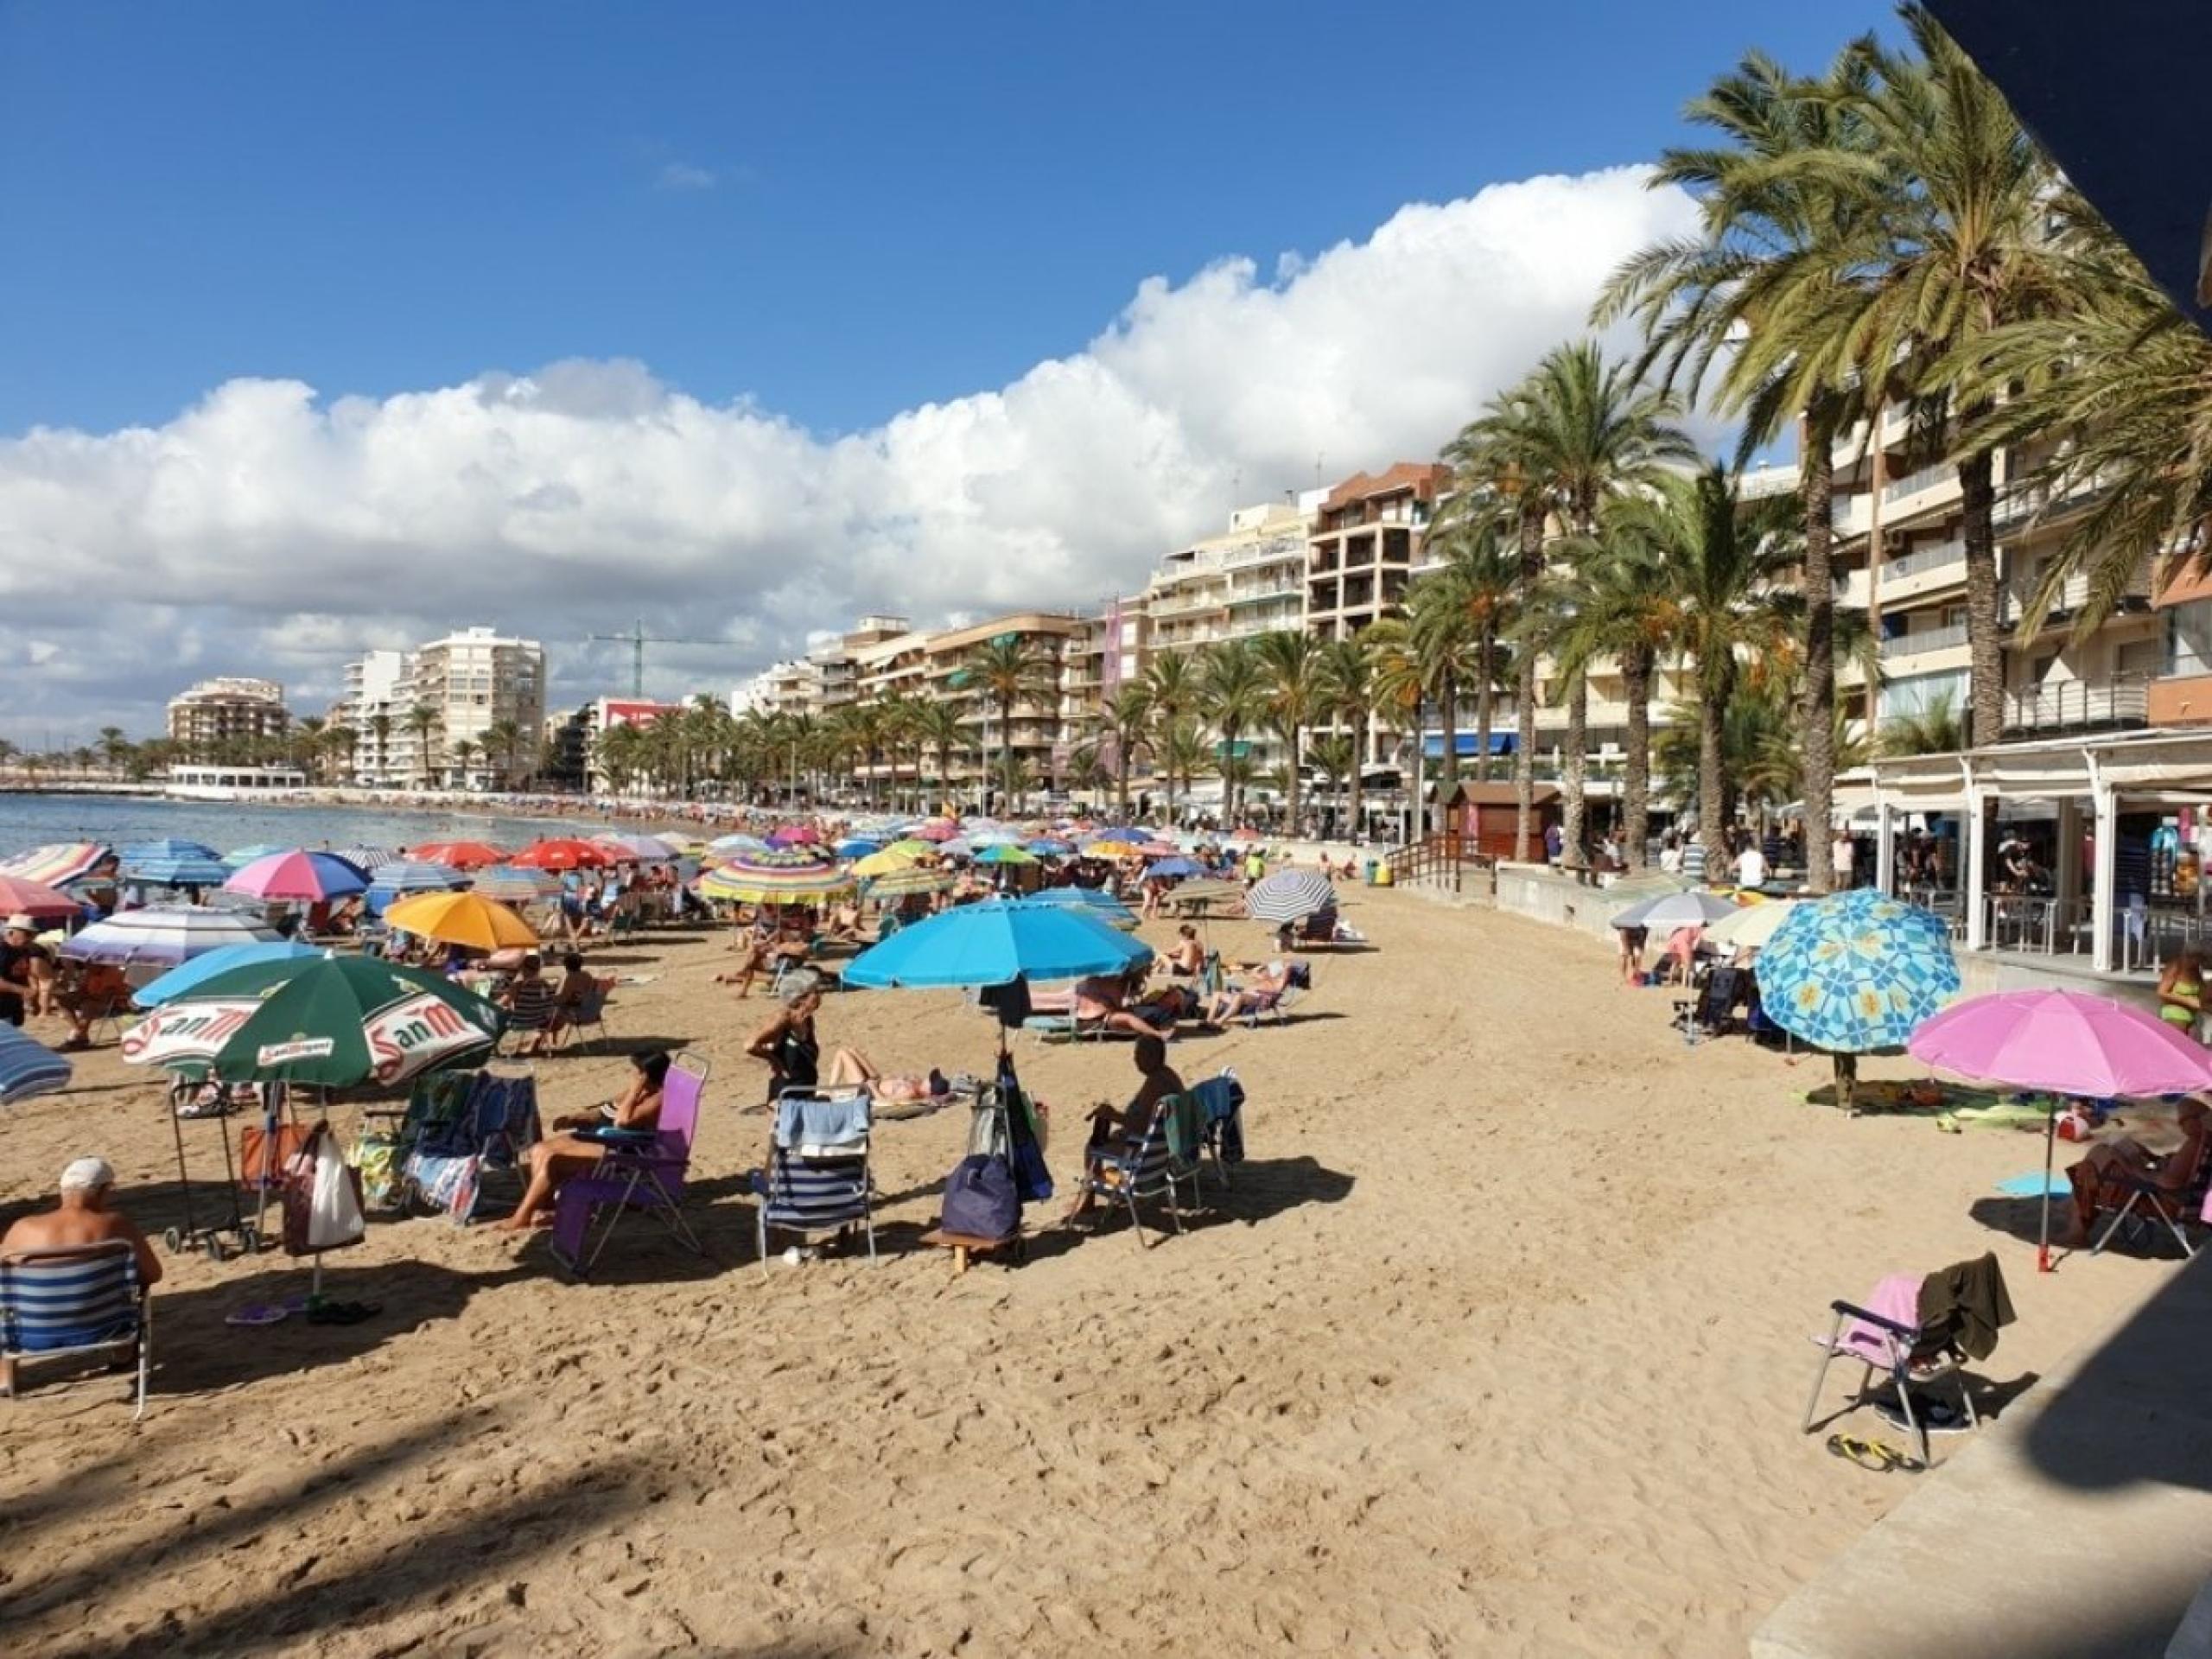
[[82, 1217], [1112, 1131]]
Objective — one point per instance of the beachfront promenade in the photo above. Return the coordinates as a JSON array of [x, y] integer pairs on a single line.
[[1498, 1347]]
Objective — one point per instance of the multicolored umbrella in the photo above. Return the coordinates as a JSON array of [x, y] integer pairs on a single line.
[[37, 901], [992, 942], [307, 877], [333, 1023], [936, 829], [2062, 1043], [1290, 896], [58, 863], [1112, 850], [795, 834], [186, 868], [163, 934], [462, 855], [512, 885], [736, 843], [187, 977], [1003, 852], [905, 883], [1855, 973], [890, 859], [774, 877], [28, 1067], [563, 854], [464, 919]]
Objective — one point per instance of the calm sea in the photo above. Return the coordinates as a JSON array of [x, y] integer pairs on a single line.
[[34, 820]]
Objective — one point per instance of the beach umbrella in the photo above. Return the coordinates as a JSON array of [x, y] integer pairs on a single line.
[[1052, 846], [993, 836], [37, 901], [1154, 846], [680, 841], [58, 863], [1290, 896], [239, 857], [904, 883], [463, 918], [777, 877], [1855, 973], [935, 829], [418, 875], [1005, 852], [1751, 926], [992, 942], [171, 933], [331, 1022], [1665, 913], [958, 847], [1244, 832], [1208, 893], [2061, 1042], [462, 855], [308, 878], [1100, 906], [168, 847], [28, 1067], [1173, 867], [368, 860], [855, 847], [635, 850], [736, 843], [1115, 850], [512, 885], [885, 863], [563, 853], [181, 980], [794, 835], [174, 870]]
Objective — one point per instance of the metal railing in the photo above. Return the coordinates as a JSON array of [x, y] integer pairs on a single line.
[[2076, 705], [1923, 559], [2032, 922], [1912, 483], [1912, 645], [1448, 862]]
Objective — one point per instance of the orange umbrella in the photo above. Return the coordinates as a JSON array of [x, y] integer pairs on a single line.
[[559, 854], [462, 855], [464, 919]]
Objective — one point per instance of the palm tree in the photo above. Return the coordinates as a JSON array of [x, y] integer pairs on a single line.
[[1484, 572], [1185, 753], [1290, 661], [1956, 247], [1581, 430], [1172, 694], [338, 740], [506, 739], [1006, 671], [1439, 647], [115, 748], [1087, 773], [423, 720], [939, 726], [1933, 729], [1725, 560], [1231, 696], [380, 726], [1336, 757], [1772, 208], [1125, 717], [464, 751], [1344, 691]]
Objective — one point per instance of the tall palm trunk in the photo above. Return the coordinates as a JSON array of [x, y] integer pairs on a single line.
[[1447, 771], [1482, 696], [1985, 642], [1290, 773], [1576, 776], [1816, 479], [1717, 682], [1524, 758], [1636, 786]]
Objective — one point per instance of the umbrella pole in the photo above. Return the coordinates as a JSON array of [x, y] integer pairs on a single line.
[[1846, 1084], [2050, 1157]]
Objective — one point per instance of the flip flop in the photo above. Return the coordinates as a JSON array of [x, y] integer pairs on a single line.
[[1872, 1455], [255, 1314]]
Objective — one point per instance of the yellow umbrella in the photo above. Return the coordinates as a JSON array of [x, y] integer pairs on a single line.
[[889, 859], [464, 919], [1112, 850]]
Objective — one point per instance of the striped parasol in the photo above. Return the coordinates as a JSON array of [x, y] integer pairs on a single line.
[[901, 884], [37, 901], [637, 849], [57, 862], [775, 877], [164, 934], [311, 878], [1290, 896], [513, 884], [28, 1067], [170, 863], [368, 858]]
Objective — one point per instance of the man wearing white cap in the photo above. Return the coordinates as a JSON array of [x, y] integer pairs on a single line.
[[83, 1218], [20, 958]]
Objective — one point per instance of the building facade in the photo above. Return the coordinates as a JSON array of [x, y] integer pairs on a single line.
[[487, 692], [225, 712], [379, 690]]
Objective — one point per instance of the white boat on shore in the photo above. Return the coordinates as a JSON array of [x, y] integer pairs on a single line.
[[191, 783]]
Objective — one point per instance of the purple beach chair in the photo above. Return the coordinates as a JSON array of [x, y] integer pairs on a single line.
[[649, 1179]]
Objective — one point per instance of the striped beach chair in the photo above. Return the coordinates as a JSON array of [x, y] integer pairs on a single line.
[[1144, 1168], [74, 1300], [817, 1177]]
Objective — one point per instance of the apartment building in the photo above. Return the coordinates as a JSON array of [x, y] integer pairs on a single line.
[[227, 710], [1035, 732], [1364, 546], [379, 690], [476, 681]]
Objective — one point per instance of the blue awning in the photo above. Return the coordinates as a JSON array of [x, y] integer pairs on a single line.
[[1471, 743]]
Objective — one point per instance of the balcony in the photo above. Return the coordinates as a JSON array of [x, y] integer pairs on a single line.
[[1927, 639], [1927, 477], [1323, 561], [2019, 590], [1921, 561], [2120, 703]]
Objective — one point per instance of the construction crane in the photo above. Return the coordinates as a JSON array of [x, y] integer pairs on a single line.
[[638, 640]]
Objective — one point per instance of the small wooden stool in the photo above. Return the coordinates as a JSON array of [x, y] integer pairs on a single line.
[[964, 1245]]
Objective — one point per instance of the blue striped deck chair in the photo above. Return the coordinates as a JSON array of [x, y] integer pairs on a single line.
[[1145, 1167], [75, 1299], [817, 1176]]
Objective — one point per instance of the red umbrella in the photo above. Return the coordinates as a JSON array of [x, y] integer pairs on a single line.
[[564, 855], [462, 855], [793, 834], [37, 901]]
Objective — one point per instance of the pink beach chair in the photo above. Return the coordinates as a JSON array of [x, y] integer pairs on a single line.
[[1886, 1335], [649, 1179]]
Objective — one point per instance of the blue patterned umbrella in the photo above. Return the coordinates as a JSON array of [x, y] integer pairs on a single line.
[[28, 1067], [1857, 972]]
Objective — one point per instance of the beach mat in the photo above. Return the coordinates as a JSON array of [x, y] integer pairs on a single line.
[[2032, 1185], [1907, 1097]]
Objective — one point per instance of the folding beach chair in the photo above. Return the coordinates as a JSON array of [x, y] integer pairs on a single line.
[[2149, 1207], [1712, 1009], [1887, 1337], [590, 1010], [1220, 1100], [650, 1178], [817, 1177], [1277, 1005], [76, 1300], [478, 1124], [1145, 1167]]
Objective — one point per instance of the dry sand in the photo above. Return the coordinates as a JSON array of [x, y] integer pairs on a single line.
[[1498, 1347]]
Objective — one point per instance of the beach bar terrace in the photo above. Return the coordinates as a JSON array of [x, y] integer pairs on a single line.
[[2082, 846]]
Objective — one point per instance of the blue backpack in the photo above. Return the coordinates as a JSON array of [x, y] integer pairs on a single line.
[[980, 1201]]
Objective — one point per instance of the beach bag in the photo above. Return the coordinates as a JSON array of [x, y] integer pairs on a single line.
[[376, 1155], [322, 1197], [262, 1156], [980, 1200]]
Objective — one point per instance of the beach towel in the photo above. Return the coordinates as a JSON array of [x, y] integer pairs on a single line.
[[810, 1121], [1970, 1298], [1896, 1298], [1219, 1099], [2035, 1184], [1185, 1127]]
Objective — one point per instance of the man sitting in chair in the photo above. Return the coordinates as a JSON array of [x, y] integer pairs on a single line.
[[1113, 1131], [2104, 1179], [82, 1217], [95, 991]]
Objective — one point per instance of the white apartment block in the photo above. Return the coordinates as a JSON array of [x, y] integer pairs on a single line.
[[473, 683]]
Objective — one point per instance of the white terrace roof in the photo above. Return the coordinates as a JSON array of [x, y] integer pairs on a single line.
[[2174, 767]]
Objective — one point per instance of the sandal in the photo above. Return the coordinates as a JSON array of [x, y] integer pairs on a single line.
[[255, 1314], [1872, 1455]]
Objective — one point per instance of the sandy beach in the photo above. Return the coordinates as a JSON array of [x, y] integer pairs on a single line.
[[1498, 1346]]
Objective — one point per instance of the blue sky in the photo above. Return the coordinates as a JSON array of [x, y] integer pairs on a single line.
[[840, 211]]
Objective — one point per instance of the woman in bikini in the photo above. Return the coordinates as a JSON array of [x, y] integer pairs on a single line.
[[566, 1152]]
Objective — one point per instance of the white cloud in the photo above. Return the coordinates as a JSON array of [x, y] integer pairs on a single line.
[[264, 530], [683, 175]]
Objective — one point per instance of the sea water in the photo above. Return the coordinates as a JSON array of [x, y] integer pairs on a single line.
[[34, 820]]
